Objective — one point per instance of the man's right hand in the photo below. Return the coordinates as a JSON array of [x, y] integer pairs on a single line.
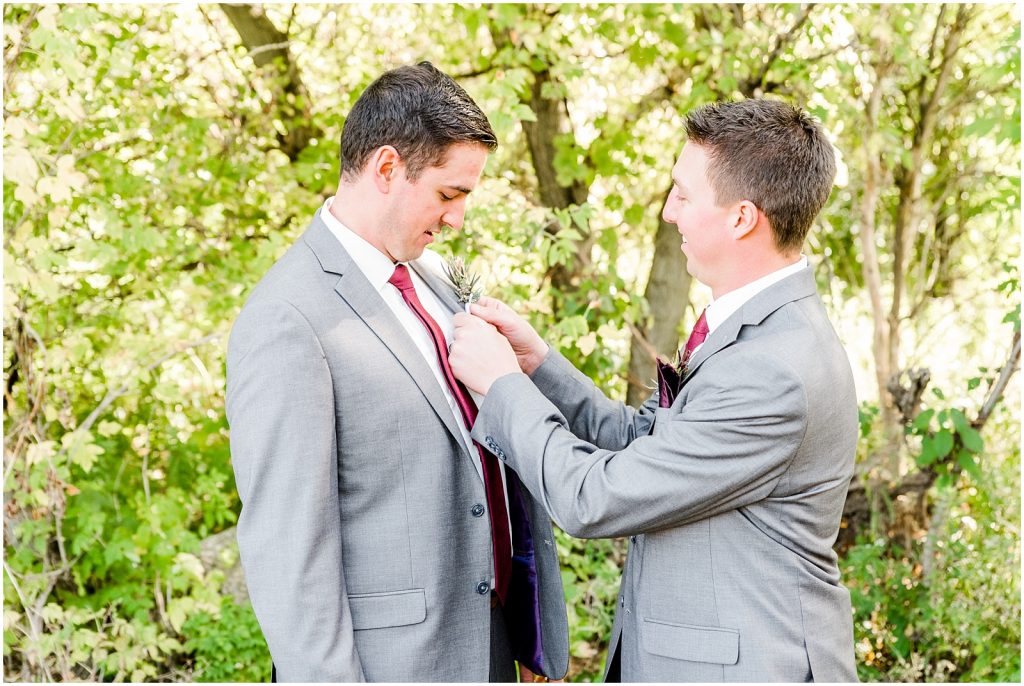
[[529, 347]]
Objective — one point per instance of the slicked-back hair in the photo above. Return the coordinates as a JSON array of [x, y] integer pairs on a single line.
[[420, 111], [770, 153]]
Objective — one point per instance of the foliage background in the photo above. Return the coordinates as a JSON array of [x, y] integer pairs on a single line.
[[157, 159]]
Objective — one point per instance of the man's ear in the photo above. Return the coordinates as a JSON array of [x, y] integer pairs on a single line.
[[743, 219], [385, 165]]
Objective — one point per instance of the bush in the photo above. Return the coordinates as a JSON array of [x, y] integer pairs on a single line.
[[229, 647]]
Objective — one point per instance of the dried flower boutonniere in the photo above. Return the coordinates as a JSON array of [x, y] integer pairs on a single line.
[[465, 281]]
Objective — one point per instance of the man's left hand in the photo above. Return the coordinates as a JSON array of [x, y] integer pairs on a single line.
[[479, 355]]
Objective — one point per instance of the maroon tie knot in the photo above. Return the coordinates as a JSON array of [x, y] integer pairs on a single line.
[[697, 336], [701, 327], [401, 279]]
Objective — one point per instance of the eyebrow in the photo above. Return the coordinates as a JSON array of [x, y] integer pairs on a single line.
[[460, 189]]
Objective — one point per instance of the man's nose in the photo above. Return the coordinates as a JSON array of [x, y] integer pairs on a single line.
[[452, 220], [668, 213], [454, 217]]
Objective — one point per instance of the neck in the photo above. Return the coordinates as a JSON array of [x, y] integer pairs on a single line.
[[748, 271], [350, 207]]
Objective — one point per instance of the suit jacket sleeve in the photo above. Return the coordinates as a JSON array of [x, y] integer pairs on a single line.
[[724, 449], [590, 414], [280, 407]]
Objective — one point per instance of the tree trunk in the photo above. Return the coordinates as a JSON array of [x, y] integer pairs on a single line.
[[552, 118], [882, 346], [887, 325], [667, 295], [267, 45]]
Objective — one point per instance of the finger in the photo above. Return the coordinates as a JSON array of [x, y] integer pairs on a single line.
[[491, 315], [488, 301]]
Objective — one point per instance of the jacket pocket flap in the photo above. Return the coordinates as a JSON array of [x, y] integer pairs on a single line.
[[378, 610], [694, 643]]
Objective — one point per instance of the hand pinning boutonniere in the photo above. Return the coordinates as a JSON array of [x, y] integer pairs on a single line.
[[465, 281]]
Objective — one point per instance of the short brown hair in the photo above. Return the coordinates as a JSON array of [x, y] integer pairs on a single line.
[[770, 153], [420, 111]]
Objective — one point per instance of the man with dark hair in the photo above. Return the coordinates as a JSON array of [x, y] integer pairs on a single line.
[[379, 542], [730, 481]]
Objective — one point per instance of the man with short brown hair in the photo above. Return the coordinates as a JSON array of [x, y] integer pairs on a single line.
[[379, 542], [730, 480]]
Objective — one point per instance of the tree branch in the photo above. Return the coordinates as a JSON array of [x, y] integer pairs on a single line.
[[996, 392], [859, 506], [780, 43], [113, 395], [267, 45]]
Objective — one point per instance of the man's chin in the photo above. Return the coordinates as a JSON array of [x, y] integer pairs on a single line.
[[413, 253]]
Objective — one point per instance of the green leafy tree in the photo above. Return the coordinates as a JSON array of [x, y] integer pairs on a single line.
[[158, 159]]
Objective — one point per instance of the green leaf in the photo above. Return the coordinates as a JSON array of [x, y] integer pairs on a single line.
[[943, 443], [81, 449], [928, 453], [959, 419], [971, 439], [980, 127], [966, 461], [923, 420], [1014, 317], [634, 215]]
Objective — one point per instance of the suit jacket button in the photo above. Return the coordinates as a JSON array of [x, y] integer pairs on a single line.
[[622, 601], [477, 511], [632, 539], [483, 587]]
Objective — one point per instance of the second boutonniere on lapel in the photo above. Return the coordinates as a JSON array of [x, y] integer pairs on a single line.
[[670, 377], [465, 281]]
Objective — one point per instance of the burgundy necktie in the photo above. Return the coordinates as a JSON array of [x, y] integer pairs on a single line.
[[500, 537], [697, 336], [670, 377]]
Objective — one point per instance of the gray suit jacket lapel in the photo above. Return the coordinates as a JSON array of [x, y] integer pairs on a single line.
[[753, 312], [439, 284], [369, 306]]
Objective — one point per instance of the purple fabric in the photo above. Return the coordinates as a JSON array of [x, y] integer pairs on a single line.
[[522, 605], [669, 383]]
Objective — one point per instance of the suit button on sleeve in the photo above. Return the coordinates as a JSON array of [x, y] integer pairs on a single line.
[[477, 510], [483, 587]]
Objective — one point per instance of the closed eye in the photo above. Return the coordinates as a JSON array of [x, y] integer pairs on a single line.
[[447, 197]]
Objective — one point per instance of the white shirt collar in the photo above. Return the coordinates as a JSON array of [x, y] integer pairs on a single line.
[[723, 308], [375, 265]]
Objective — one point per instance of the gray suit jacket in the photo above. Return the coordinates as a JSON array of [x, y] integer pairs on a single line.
[[361, 543], [731, 497]]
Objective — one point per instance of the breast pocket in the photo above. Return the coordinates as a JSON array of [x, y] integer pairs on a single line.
[[379, 610], [716, 645]]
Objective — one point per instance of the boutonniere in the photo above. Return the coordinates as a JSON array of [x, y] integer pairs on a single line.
[[465, 281], [670, 378]]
